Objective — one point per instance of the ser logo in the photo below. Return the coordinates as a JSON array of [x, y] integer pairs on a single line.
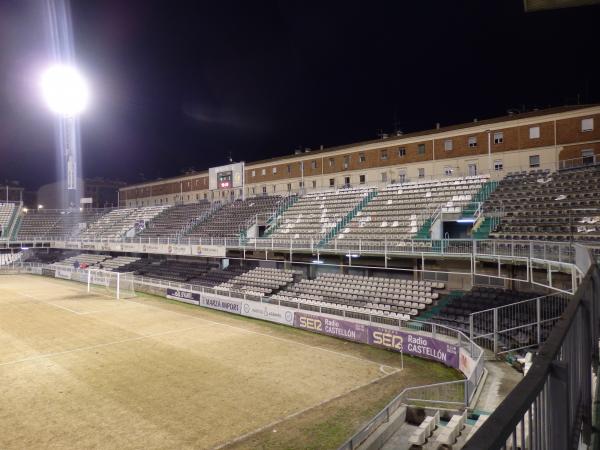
[[311, 324], [387, 340]]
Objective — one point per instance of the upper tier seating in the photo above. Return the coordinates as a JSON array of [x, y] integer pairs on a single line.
[[543, 205], [392, 297], [398, 211], [174, 221], [231, 219], [6, 213], [56, 223], [315, 214], [119, 221], [260, 281]]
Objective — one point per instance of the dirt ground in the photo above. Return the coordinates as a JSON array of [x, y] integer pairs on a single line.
[[81, 371]]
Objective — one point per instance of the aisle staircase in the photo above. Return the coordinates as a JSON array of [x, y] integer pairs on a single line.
[[274, 221], [444, 301], [481, 196], [345, 220]]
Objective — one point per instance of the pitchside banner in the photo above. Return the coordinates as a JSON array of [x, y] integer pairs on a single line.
[[415, 345], [64, 274], [266, 311], [408, 343], [221, 303], [183, 296], [333, 327]]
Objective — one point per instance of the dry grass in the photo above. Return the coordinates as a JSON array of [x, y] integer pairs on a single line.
[[79, 371]]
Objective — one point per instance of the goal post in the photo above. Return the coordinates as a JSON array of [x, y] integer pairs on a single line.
[[117, 284]]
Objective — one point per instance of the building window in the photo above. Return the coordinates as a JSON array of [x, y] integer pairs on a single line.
[[383, 154], [264, 189], [498, 166], [289, 187], [361, 179], [421, 149], [421, 172], [587, 125], [588, 157], [448, 145], [498, 137], [313, 164], [289, 169], [300, 184], [254, 190], [448, 171], [361, 157], [384, 176], [346, 161], [274, 170], [254, 173], [534, 133], [534, 161], [401, 152], [331, 162], [347, 181], [314, 184], [332, 182], [263, 172], [472, 169], [472, 141], [274, 188], [402, 175], [205, 196]]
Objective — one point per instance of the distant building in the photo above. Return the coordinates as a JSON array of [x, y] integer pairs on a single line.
[[104, 193], [11, 192]]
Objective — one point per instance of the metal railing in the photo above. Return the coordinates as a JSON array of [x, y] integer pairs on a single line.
[[551, 408], [517, 326]]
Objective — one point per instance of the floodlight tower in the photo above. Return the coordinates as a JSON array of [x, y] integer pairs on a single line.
[[66, 94]]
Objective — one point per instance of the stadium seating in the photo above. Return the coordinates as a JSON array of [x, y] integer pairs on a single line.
[[6, 214], [315, 214], [260, 281], [232, 219], [9, 258], [118, 222], [176, 221], [543, 205], [114, 264], [456, 313], [398, 211], [92, 260], [39, 224], [396, 298], [170, 270]]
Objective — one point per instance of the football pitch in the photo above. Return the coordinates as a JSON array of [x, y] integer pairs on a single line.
[[89, 371]]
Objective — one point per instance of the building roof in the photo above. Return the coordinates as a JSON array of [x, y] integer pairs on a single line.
[[393, 138]]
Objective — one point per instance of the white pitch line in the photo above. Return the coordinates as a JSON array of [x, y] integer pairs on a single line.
[[91, 347], [290, 341], [345, 355], [297, 413], [37, 299]]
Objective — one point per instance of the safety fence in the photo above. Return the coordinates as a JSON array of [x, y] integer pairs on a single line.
[[517, 326], [551, 408]]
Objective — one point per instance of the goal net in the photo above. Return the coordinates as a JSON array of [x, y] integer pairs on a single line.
[[117, 284]]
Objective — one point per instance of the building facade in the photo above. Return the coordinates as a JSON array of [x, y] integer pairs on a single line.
[[547, 139]]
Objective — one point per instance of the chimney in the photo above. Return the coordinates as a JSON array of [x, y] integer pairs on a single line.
[[437, 125]]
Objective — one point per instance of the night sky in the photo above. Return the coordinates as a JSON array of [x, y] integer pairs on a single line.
[[179, 84]]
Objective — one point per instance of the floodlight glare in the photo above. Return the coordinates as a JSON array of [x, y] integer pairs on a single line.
[[65, 90]]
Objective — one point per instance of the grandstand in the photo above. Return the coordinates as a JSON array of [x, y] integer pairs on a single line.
[[544, 205], [233, 218], [406, 263]]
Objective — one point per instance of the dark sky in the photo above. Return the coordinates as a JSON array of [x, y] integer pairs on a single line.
[[184, 83]]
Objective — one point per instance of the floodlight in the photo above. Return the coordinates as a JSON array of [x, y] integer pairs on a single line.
[[65, 90]]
